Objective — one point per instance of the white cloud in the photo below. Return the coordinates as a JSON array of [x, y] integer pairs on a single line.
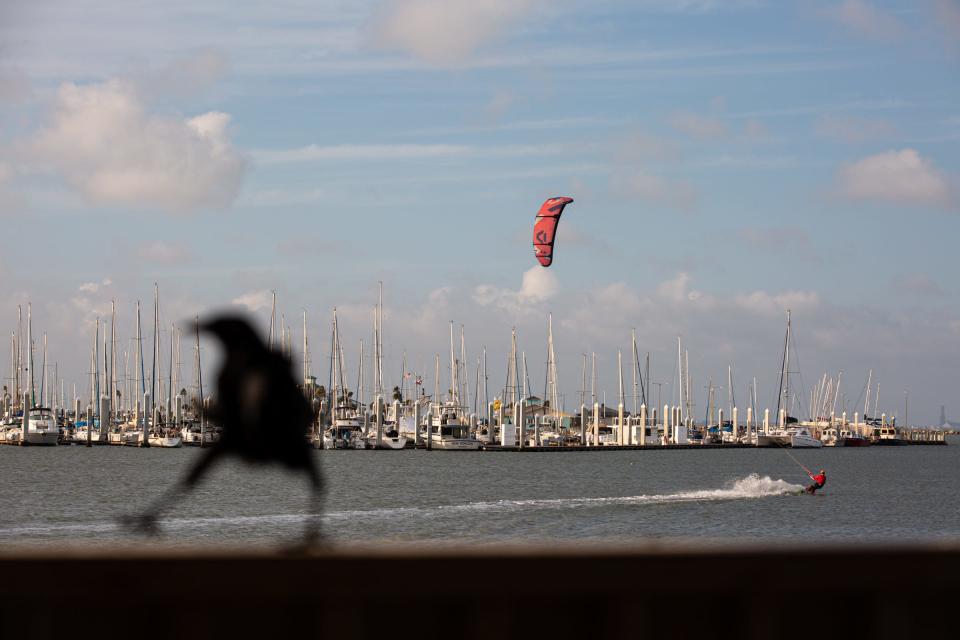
[[445, 32], [93, 287], [864, 18], [108, 147], [902, 176], [538, 286], [255, 300], [697, 126]]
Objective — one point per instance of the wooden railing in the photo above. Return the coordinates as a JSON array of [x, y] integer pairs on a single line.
[[662, 590]]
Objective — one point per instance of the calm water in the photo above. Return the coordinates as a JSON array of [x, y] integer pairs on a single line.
[[73, 495]]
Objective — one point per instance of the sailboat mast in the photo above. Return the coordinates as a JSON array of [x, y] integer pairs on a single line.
[[19, 355], [593, 378], [784, 365], [636, 368], [453, 369], [486, 395], [13, 371], [43, 375], [513, 375], [273, 319], [786, 372], [170, 378], [620, 378], [96, 369], [139, 378], [112, 393], [156, 345], [30, 357], [648, 383], [583, 378], [379, 362], [306, 351], [436, 380], [680, 381], [360, 379], [200, 383], [526, 375], [730, 391], [464, 391]]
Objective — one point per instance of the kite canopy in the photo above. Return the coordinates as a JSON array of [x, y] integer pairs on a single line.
[[545, 228]]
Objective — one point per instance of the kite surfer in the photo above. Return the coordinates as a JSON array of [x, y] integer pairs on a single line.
[[818, 481]]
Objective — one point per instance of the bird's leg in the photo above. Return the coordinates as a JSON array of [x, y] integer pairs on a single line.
[[146, 522], [313, 535]]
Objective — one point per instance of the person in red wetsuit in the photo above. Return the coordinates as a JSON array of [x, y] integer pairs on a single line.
[[818, 481]]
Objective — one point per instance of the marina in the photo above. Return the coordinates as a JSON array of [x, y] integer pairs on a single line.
[[461, 419]]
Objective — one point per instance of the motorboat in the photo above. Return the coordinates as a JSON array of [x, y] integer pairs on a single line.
[[391, 438], [852, 439], [42, 429], [831, 438], [801, 438], [346, 432], [449, 431]]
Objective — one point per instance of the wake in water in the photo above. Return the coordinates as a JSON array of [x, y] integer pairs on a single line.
[[752, 486]]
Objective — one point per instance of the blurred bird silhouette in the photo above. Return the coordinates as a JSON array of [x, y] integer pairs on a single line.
[[264, 417]]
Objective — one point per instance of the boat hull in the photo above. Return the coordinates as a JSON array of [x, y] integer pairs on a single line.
[[165, 442], [398, 442], [343, 443], [41, 439], [766, 440], [853, 442], [800, 441], [455, 444]]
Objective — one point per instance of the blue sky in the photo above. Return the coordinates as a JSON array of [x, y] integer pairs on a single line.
[[727, 159]]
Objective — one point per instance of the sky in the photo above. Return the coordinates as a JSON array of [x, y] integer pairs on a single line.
[[728, 161]]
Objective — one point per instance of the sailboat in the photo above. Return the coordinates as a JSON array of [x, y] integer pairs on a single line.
[[39, 427], [345, 430], [385, 433], [160, 436], [796, 436], [449, 432]]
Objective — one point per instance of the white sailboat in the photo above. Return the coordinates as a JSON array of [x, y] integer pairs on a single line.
[[345, 430], [159, 436], [39, 425], [449, 432], [797, 436]]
